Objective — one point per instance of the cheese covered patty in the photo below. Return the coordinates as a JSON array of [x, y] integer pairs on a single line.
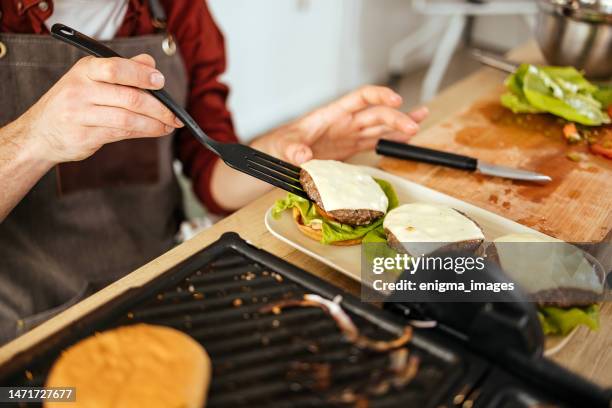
[[549, 267], [343, 186], [420, 222], [421, 229]]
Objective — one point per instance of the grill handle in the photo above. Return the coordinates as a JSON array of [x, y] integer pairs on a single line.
[[558, 380]]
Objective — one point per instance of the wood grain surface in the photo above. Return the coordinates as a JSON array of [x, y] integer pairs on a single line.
[[587, 353], [576, 206]]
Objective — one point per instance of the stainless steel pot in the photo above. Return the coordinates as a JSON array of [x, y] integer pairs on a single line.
[[577, 33]]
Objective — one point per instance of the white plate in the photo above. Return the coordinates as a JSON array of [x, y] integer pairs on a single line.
[[348, 259]]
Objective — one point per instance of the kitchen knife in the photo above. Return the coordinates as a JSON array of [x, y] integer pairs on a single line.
[[495, 61], [431, 156]]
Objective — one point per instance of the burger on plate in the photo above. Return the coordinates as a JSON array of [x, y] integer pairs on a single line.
[[346, 202], [564, 281]]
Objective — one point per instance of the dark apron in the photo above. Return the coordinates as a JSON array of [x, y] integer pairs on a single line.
[[84, 224]]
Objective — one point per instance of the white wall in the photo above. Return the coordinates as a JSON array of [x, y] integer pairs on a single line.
[[288, 56], [502, 32], [372, 27], [282, 57]]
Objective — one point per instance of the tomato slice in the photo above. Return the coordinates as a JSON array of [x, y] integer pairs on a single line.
[[601, 150], [603, 146]]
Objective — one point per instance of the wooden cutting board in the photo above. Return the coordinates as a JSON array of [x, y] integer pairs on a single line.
[[576, 206]]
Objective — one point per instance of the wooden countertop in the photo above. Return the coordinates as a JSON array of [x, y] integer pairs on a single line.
[[587, 353]]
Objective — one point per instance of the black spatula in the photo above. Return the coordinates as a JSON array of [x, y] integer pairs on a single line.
[[240, 157]]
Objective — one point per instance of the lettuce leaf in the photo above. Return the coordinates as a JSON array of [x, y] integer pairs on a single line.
[[374, 245], [518, 103], [290, 201], [387, 188], [376, 236], [562, 91], [333, 231], [604, 95], [570, 78], [547, 94], [561, 321]]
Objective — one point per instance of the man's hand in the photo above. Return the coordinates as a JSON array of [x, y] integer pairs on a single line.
[[349, 125], [100, 100]]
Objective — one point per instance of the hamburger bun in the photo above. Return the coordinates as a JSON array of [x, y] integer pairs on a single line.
[[133, 366], [317, 234]]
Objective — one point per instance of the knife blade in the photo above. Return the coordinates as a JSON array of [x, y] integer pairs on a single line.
[[511, 173], [431, 156], [495, 61]]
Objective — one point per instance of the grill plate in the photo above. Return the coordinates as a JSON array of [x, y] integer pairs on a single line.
[[259, 358]]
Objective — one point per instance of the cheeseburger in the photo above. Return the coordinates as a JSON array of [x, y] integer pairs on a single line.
[[346, 202]]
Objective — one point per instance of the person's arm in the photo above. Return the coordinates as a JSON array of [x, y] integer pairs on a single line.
[[231, 189], [22, 164], [202, 47], [94, 103]]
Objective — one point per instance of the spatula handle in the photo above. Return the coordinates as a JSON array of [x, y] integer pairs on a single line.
[[97, 49], [422, 154]]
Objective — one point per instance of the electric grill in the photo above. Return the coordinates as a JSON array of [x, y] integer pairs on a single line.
[[298, 357]]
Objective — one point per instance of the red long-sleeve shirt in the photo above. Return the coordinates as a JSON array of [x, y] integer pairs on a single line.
[[202, 47]]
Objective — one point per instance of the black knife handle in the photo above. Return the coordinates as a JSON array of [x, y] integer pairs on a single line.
[[422, 154]]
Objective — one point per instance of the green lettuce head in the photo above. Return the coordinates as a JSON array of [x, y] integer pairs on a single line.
[[561, 91]]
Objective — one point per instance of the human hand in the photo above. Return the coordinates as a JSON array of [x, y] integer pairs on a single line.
[[346, 126], [98, 101]]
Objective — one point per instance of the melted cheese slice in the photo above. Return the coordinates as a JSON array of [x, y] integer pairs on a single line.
[[345, 187], [424, 228], [543, 263]]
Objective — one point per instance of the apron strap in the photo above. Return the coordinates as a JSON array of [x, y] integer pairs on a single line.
[[159, 15], [160, 23]]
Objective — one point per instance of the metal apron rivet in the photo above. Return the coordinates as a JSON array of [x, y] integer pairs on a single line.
[[3, 49], [169, 46]]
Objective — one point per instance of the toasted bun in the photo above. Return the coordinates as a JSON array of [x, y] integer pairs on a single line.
[[315, 234], [134, 366]]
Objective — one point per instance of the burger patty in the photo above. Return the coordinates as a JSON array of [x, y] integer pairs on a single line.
[[565, 297], [351, 217]]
